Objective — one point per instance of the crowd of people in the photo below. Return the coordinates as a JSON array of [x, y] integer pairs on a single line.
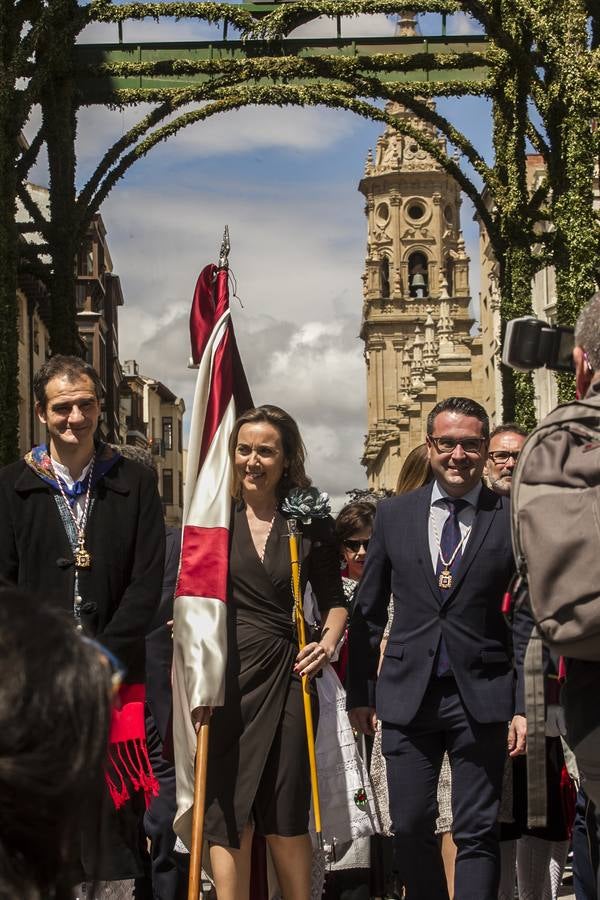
[[408, 609]]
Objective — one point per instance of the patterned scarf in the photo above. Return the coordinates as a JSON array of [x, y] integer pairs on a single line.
[[128, 767], [40, 462]]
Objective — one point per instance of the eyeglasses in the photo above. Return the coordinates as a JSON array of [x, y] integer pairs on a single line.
[[449, 445], [503, 456], [355, 546]]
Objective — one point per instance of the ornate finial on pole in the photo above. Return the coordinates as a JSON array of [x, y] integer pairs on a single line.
[[225, 248]]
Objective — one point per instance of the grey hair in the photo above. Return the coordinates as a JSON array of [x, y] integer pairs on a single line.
[[587, 331]]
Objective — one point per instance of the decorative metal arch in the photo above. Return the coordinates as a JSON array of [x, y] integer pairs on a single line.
[[534, 59]]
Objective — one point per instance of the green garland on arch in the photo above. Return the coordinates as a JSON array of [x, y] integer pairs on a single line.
[[537, 53]]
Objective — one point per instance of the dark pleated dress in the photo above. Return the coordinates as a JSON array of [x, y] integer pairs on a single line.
[[258, 764]]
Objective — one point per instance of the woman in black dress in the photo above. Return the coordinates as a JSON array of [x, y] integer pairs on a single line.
[[258, 774]]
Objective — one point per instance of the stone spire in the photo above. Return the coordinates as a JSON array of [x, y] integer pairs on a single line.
[[445, 324], [407, 24], [416, 368], [429, 348]]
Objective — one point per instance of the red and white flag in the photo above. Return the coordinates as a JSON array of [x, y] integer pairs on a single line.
[[200, 612]]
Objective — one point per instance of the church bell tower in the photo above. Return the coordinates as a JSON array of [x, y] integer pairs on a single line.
[[416, 323]]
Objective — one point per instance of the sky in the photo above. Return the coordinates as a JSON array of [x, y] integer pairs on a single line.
[[285, 182]]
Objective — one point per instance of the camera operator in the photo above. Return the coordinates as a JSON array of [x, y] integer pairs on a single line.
[[582, 688], [555, 538], [581, 691]]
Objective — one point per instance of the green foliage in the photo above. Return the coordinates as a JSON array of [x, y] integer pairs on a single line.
[[543, 76]]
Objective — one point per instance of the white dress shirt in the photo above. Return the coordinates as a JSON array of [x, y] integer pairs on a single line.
[[439, 512], [65, 476]]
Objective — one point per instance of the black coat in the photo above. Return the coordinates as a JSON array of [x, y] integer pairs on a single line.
[[159, 643], [470, 619], [125, 537]]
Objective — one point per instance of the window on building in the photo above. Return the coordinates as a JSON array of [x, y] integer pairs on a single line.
[[87, 341], [20, 328], [85, 259], [180, 489], [167, 432], [450, 275], [167, 487], [180, 435], [418, 275], [384, 277], [104, 375]]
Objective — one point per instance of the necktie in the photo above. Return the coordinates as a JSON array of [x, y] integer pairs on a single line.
[[447, 566]]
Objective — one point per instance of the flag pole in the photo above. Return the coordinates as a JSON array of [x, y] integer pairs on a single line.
[[294, 534], [195, 882], [201, 764]]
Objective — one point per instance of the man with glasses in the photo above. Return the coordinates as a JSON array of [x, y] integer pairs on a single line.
[[447, 681], [503, 452]]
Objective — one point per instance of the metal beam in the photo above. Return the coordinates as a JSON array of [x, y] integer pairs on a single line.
[[96, 86]]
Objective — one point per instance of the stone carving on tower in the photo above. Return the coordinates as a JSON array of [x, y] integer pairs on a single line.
[[416, 322]]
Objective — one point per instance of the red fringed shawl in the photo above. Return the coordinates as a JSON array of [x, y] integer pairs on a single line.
[[128, 766]]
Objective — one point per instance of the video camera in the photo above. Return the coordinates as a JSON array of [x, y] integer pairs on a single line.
[[530, 343]]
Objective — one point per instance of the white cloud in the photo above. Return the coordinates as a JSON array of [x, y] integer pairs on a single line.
[[463, 24], [234, 133], [296, 248], [352, 26], [148, 31], [315, 372], [253, 128]]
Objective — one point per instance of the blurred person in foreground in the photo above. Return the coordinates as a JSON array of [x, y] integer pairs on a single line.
[[55, 703], [447, 680], [581, 690], [536, 856], [82, 528], [258, 777]]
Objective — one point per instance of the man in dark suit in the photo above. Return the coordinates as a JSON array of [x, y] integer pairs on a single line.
[[447, 680]]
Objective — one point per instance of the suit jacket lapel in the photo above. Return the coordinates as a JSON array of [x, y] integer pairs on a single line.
[[484, 516], [422, 540]]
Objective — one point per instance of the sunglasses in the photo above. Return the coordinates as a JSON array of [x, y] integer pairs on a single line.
[[356, 545]]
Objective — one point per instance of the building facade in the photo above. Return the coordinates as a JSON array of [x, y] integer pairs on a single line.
[[152, 416], [33, 351], [416, 321], [98, 297]]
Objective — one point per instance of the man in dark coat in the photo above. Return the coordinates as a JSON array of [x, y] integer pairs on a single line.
[[82, 528], [447, 681]]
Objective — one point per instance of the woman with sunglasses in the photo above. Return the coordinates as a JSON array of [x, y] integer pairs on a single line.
[[348, 877]]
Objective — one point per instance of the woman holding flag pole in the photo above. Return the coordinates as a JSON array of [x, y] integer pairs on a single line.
[[239, 677], [258, 769]]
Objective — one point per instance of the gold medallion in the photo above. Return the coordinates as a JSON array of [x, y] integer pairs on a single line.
[[83, 560], [445, 579]]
